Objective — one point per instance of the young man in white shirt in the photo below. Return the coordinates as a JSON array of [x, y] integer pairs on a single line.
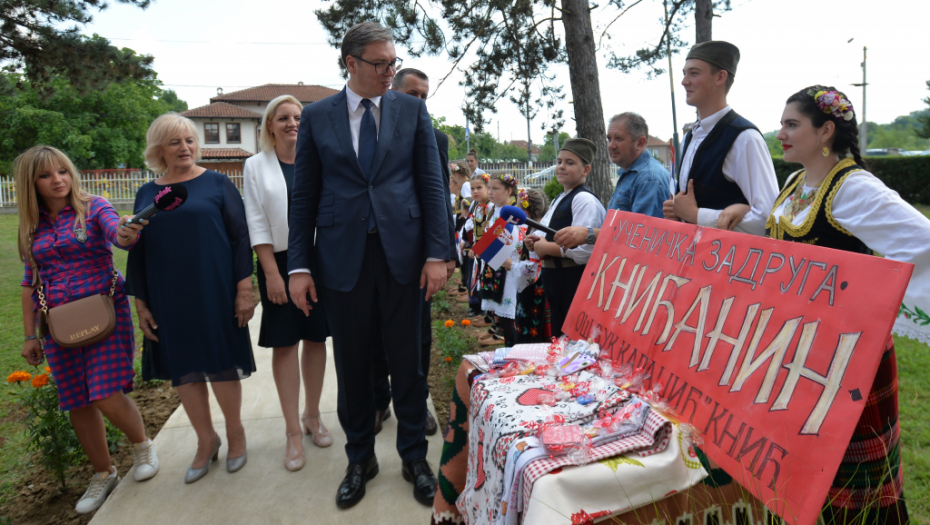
[[725, 164]]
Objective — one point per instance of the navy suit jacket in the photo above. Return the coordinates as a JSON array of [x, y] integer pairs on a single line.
[[443, 142], [332, 194]]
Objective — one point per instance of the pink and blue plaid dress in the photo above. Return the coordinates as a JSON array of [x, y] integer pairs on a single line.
[[70, 270]]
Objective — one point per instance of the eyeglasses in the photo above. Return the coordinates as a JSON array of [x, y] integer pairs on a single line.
[[382, 67]]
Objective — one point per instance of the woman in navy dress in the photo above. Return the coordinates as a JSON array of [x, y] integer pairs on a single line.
[[64, 239], [191, 275]]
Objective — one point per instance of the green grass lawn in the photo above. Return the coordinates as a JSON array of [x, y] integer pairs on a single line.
[[913, 367]]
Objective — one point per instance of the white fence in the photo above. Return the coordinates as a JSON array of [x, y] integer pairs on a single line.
[[113, 185], [122, 185]]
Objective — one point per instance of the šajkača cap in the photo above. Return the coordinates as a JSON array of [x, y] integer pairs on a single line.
[[584, 148], [719, 53]]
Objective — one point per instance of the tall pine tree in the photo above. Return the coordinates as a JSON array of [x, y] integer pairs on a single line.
[[36, 38]]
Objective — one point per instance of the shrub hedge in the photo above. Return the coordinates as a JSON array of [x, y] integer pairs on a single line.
[[909, 176]]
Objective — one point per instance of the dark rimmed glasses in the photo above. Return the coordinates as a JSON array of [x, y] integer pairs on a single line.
[[382, 67]]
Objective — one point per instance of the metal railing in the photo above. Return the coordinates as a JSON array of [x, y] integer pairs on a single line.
[[113, 185]]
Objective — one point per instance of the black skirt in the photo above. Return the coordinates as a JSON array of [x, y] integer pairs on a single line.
[[285, 324]]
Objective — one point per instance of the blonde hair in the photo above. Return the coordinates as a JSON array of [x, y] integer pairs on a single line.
[[267, 142], [162, 130], [460, 171], [26, 170]]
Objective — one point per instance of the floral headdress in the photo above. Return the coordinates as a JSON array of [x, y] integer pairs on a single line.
[[484, 176], [507, 179], [524, 201], [454, 167], [834, 103]]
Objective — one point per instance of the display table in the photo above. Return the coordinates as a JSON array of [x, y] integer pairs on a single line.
[[635, 470]]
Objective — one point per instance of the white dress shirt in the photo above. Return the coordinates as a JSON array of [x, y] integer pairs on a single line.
[[748, 164], [587, 211], [357, 111]]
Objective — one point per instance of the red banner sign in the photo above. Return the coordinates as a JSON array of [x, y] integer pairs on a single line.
[[768, 348]]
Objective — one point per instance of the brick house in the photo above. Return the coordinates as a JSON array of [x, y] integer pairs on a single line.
[[228, 127]]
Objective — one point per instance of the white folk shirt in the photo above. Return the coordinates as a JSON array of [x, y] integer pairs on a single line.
[[880, 218], [587, 211], [748, 164]]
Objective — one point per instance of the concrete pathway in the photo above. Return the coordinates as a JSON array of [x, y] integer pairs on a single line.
[[264, 491]]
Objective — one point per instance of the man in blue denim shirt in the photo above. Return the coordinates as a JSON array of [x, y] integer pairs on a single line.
[[644, 183]]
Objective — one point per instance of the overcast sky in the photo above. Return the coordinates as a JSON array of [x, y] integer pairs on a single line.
[[786, 45]]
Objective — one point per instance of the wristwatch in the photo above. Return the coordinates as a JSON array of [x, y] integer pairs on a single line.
[[591, 238]]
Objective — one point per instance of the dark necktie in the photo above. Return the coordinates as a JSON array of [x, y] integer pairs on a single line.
[[367, 147]]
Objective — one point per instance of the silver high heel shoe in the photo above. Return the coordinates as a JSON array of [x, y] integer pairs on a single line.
[[193, 474], [234, 464]]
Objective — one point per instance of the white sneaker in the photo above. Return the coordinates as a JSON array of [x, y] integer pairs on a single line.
[[101, 485], [144, 460]]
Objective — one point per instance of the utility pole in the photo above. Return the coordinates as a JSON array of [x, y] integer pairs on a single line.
[[529, 138], [671, 84], [864, 132], [498, 140]]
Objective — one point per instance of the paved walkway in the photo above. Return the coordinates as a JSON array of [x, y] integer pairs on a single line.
[[264, 491]]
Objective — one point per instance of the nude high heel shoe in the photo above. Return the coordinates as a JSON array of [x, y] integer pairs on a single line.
[[321, 437], [294, 459]]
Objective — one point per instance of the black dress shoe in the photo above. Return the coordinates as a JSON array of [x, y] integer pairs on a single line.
[[430, 426], [421, 475], [352, 488], [381, 415]]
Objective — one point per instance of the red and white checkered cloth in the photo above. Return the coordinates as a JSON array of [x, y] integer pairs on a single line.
[[651, 440]]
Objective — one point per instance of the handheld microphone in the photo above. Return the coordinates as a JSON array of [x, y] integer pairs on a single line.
[[515, 215], [169, 198]]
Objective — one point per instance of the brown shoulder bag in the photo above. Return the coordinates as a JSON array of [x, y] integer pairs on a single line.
[[79, 323]]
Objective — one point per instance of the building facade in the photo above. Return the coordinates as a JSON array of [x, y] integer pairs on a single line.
[[228, 127]]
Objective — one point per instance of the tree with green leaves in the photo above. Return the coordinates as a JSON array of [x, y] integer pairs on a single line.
[[511, 45], [924, 131], [42, 39], [97, 130]]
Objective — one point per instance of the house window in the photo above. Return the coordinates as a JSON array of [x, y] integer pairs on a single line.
[[232, 133], [211, 133]]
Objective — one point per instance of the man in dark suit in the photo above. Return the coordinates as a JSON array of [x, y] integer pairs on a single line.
[[416, 84], [365, 181]]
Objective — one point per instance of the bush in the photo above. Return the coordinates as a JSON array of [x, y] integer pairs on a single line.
[[553, 189], [909, 176]]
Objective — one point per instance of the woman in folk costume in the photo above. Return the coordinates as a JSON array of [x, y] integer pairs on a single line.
[[834, 202]]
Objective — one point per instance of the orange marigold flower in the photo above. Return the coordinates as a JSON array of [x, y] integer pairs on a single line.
[[48, 370], [450, 323], [40, 381], [466, 322], [18, 376], [448, 359]]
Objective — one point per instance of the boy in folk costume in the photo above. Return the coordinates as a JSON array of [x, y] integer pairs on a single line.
[[725, 161]]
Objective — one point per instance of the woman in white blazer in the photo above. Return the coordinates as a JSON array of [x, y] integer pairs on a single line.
[[268, 180]]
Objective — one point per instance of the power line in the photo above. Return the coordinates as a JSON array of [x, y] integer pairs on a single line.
[[225, 43]]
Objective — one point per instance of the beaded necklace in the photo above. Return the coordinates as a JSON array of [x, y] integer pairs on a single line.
[[800, 200]]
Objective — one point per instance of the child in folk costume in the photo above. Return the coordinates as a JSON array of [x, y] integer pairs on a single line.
[[498, 288], [576, 206], [478, 214], [531, 324], [460, 205]]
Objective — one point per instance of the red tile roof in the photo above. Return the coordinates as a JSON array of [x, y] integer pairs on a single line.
[[266, 93], [224, 153], [522, 145], [221, 110], [653, 141]]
